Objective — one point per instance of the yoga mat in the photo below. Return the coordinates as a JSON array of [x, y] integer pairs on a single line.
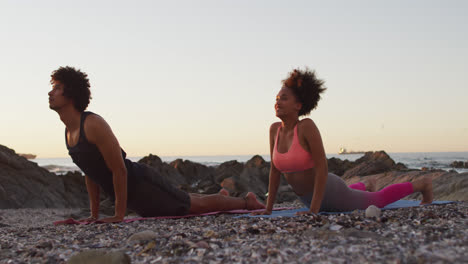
[[292, 212], [277, 212], [72, 221]]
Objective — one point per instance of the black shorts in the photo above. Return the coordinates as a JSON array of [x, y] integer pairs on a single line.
[[150, 194]]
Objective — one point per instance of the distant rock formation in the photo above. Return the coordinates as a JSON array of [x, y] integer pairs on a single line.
[[459, 165], [23, 184], [27, 155]]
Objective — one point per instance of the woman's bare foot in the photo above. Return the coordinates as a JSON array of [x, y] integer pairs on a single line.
[[425, 187], [252, 203], [371, 185], [427, 193], [224, 192]]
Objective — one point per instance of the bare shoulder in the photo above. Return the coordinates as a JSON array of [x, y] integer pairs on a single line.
[[95, 127], [95, 122], [307, 125], [274, 127]]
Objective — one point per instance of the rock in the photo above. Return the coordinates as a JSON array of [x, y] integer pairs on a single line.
[[202, 244], [100, 257], [164, 169], [338, 166], [335, 227], [228, 169], [45, 244], [192, 171], [26, 185], [144, 235], [373, 211], [256, 162], [459, 164], [352, 232], [189, 176], [372, 163]]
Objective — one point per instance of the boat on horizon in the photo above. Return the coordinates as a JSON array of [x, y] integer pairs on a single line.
[[343, 151]]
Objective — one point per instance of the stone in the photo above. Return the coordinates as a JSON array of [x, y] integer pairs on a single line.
[[144, 235], [373, 211], [100, 257], [202, 244], [335, 227]]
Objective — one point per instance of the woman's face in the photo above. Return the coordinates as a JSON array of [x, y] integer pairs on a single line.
[[286, 103]]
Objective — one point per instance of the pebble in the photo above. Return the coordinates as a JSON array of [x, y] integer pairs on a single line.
[[373, 211], [335, 227], [408, 235], [100, 257], [144, 235]]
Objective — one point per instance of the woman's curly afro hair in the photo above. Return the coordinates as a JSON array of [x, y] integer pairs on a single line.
[[306, 87], [76, 86]]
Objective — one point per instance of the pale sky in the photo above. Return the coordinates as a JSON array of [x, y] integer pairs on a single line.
[[200, 77]]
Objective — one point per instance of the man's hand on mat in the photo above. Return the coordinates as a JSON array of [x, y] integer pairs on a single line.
[[264, 212], [114, 219], [89, 219]]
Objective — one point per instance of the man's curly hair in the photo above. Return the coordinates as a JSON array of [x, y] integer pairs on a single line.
[[306, 87], [76, 86]]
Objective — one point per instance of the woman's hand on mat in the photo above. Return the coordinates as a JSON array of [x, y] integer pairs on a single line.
[[114, 219], [264, 212], [309, 212]]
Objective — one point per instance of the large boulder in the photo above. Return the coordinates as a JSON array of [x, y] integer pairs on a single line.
[[164, 169], [372, 163], [23, 184], [196, 174], [228, 169], [254, 177], [338, 166], [187, 175], [238, 178]]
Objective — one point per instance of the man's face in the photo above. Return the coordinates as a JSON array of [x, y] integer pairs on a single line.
[[56, 98]]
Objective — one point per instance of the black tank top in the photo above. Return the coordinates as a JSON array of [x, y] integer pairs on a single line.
[[90, 160]]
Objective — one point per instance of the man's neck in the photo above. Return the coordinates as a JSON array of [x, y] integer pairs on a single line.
[[70, 117]]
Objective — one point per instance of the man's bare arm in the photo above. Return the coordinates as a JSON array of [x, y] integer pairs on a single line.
[[99, 133]]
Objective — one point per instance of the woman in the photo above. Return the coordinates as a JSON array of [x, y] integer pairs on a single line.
[[297, 151]]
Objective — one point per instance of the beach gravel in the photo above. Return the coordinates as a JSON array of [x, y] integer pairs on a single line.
[[434, 234]]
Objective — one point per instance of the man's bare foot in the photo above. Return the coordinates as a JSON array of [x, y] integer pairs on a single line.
[[252, 203], [224, 192], [427, 193], [371, 185]]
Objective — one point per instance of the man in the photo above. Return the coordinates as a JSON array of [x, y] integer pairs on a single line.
[[94, 148]]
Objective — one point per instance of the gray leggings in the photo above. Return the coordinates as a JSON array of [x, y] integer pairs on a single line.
[[340, 198]]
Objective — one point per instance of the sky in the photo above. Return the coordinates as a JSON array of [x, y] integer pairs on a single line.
[[200, 77]]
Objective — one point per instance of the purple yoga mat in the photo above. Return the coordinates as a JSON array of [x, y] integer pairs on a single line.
[[72, 221]]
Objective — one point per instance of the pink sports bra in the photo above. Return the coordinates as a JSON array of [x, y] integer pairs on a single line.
[[296, 159]]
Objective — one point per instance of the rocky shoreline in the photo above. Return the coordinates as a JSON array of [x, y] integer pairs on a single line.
[[32, 198], [23, 184]]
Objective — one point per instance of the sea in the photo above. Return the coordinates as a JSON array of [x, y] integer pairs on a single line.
[[413, 160]]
